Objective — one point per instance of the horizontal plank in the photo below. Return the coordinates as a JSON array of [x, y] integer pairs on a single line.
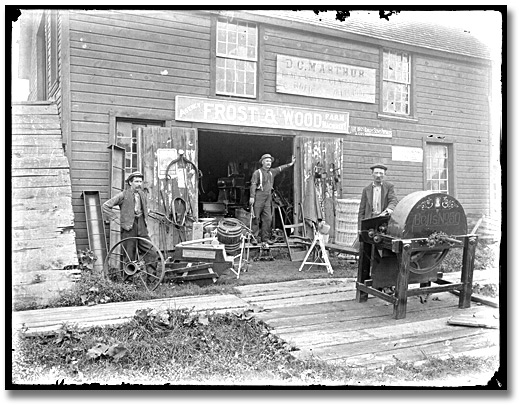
[[54, 140], [43, 217], [156, 107], [51, 120], [61, 178], [285, 38], [46, 192], [35, 127], [120, 312], [42, 234], [30, 109], [19, 161], [22, 131], [39, 171], [41, 203], [103, 24], [142, 91]]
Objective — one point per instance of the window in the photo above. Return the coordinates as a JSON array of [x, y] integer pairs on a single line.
[[438, 167], [236, 58], [396, 85], [127, 138]]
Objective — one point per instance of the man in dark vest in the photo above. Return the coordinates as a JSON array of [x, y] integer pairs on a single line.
[[133, 216], [261, 197], [378, 198]]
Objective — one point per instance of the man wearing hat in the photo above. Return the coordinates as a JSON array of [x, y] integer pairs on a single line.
[[133, 214], [261, 186], [378, 198]]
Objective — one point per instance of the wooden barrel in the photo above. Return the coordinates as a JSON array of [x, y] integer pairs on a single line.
[[229, 233]]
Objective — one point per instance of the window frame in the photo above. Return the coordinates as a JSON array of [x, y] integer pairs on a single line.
[[215, 56], [452, 180], [134, 116], [411, 95]]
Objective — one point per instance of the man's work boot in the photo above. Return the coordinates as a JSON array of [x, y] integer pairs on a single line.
[[270, 241], [253, 241]]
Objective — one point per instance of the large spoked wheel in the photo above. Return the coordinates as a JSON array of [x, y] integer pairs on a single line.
[[145, 269]]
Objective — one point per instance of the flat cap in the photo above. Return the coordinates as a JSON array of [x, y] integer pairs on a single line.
[[266, 156], [134, 174], [378, 166]]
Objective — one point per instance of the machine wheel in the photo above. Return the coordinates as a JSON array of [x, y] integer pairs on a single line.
[[424, 261], [146, 270]]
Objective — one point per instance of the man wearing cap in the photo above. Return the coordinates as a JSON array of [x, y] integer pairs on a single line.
[[378, 198], [133, 213], [261, 186]]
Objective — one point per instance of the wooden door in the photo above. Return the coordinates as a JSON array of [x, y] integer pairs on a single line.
[[159, 147], [321, 155]]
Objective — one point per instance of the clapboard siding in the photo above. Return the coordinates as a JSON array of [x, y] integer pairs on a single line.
[[451, 101], [125, 59], [140, 60]]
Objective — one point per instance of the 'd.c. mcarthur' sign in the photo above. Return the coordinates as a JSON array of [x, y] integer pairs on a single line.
[[214, 111]]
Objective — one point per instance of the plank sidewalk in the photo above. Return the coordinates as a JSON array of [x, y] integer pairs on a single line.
[[320, 318]]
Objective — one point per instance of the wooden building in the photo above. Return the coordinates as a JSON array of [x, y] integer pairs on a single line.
[[134, 87]]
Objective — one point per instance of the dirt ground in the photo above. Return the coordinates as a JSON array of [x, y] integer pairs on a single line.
[[282, 269]]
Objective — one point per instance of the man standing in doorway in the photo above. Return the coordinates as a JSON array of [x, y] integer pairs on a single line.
[[133, 213], [261, 186], [378, 198]]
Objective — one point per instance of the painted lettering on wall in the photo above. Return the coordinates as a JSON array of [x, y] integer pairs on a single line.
[[196, 109], [314, 78]]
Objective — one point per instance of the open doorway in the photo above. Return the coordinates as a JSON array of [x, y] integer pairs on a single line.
[[227, 161]]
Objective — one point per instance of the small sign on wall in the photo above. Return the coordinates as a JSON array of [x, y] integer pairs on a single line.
[[165, 156], [407, 154], [370, 131]]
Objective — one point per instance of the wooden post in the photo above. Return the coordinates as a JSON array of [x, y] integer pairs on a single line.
[[468, 264], [363, 272], [401, 289]]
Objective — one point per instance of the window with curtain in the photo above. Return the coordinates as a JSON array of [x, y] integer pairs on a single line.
[[438, 168], [236, 58], [396, 83]]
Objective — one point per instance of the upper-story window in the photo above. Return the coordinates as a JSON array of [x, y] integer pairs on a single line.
[[396, 85], [236, 58]]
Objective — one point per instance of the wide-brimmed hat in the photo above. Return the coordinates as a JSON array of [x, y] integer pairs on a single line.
[[266, 156], [134, 174], [379, 166]]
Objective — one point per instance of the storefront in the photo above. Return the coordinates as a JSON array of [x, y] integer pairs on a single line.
[[133, 88]]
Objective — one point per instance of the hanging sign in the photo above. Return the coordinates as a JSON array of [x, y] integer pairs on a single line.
[[198, 109], [315, 78]]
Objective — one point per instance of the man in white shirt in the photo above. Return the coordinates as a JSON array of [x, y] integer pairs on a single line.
[[378, 198]]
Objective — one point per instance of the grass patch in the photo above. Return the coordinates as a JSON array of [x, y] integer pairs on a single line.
[[93, 289], [485, 257], [182, 347]]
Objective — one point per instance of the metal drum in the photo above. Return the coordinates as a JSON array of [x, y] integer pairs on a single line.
[[424, 214]]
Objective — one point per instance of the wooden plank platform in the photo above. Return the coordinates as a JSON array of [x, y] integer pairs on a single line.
[[52, 319], [321, 318]]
